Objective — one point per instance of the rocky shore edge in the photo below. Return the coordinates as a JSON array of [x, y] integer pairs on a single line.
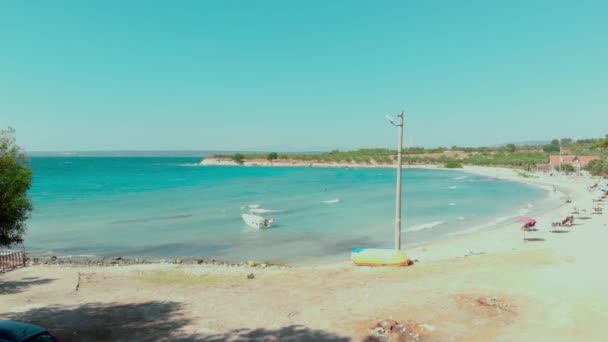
[[120, 261]]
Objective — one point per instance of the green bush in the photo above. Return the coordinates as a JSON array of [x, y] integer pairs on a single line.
[[598, 167], [272, 156], [552, 147], [453, 165], [567, 168], [238, 158]]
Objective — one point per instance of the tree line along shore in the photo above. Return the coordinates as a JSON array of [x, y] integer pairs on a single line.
[[526, 157]]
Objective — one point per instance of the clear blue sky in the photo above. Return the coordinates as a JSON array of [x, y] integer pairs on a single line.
[[284, 75]]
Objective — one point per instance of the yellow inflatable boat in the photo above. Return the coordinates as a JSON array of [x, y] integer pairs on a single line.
[[379, 257]]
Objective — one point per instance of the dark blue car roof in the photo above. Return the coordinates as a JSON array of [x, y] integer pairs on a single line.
[[11, 331]]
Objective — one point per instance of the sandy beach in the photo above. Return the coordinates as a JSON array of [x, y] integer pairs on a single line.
[[484, 286]]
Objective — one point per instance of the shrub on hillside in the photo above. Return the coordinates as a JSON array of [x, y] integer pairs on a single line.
[[272, 156], [567, 168], [598, 167], [453, 165], [238, 158]]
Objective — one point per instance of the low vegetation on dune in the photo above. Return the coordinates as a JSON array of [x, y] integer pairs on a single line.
[[598, 167], [454, 164], [525, 157]]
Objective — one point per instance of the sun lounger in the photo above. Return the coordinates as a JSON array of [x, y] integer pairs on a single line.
[[597, 210]]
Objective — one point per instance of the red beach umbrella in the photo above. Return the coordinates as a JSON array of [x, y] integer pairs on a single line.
[[525, 220], [528, 221]]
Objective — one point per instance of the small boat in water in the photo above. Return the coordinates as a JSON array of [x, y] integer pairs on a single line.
[[256, 221], [257, 211]]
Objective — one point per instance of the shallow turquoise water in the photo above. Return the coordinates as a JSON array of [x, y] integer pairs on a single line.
[[168, 207]]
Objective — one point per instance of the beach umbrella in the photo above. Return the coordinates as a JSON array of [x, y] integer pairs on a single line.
[[526, 220]]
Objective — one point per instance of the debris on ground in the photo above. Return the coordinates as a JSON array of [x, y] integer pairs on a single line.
[[389, 330], [495, 303]]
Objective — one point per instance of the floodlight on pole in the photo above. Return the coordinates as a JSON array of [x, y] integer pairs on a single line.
[[399, 174]]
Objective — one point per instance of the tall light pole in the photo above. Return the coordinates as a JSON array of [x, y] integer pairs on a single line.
[[399, 167]]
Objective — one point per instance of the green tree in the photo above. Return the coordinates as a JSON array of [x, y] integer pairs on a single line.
[[598, 167], [238, 158], [272, 156], [552, 147], [15, 181], [511, 148], [567, 168], [603, 144]]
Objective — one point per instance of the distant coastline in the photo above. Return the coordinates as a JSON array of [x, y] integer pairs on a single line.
[[221, 161]]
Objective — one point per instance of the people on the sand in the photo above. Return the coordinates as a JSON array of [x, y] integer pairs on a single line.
[[567, 222], [529, 225]]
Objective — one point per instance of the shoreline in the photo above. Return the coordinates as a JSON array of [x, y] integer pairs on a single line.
[[41, 258], [549, 287], [499, 228], [214, 161]]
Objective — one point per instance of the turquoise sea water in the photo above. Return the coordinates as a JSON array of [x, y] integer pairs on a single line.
[[169, 207]]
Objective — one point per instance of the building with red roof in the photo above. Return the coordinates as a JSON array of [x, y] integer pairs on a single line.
[[576, 161]]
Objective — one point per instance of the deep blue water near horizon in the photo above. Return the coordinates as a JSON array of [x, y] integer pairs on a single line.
[[168, 207]]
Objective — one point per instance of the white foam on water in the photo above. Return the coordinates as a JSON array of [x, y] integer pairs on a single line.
[[461, 218], [452, 187], [459, 177], [254, 206], [477, 228], [452, 204], [332, 201], [424, 226]]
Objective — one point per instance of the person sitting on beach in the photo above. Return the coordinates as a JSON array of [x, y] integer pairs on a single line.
[[528, 225], [568, 221]]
